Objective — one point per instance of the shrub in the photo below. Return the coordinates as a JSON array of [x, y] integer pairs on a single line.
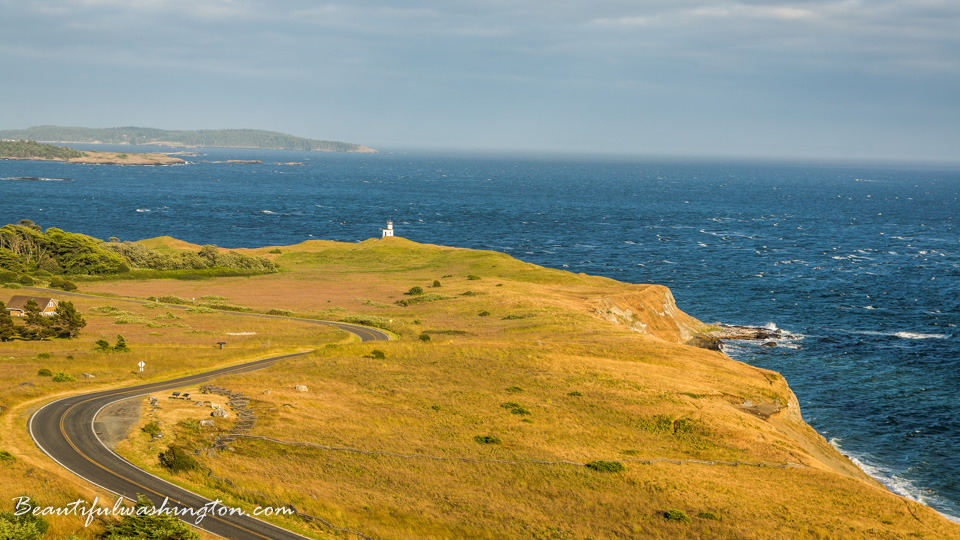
[[483, 314], [446, 276], [12, 286], [152, 428], [68, 285], [514, 389], [177, 460], [435, 407], [45, 373], [378, 354], [486, 439], [102, 345], [152, 525], [26, 526], [424, 337], [276, 251], [473, 277], [63, 377], [415, 291], [26, 280], [436, 283], [200, 309], [367, 320], [515, 408], [6, 276], [6, 456], [606, 466], [676, 515], [56, 282], [574, 394], [281, 312], [43, 355], [708, 515]]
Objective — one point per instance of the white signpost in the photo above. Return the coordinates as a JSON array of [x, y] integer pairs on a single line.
[[141, 364]]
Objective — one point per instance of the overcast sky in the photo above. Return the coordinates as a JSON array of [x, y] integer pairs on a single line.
[[811, 78]]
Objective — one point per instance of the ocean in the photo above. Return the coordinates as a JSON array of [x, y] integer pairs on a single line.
[[858, 264]]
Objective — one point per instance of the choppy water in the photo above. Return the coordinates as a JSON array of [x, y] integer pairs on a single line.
[[860, 263]]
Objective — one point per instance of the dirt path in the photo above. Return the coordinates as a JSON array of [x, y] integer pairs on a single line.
[[114, 422]]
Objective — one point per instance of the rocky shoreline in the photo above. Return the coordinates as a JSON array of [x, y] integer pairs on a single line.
[[713, 338]]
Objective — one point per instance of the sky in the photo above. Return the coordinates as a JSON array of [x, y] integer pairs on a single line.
[[810, 79]]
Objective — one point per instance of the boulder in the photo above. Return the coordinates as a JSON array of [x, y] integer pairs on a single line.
[[208, 422], [220, 413], [300, 388], [86, 376]]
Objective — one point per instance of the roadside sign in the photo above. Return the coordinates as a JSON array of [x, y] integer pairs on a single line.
[[141, 364]]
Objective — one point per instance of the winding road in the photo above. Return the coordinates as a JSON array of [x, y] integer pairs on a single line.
[[64, 430]]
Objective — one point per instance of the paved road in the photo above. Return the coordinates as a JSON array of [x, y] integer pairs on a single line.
[[64, 430]]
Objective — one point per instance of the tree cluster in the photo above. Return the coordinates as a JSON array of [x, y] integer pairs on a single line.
[[65, 323], [26, 249], [27, 149]]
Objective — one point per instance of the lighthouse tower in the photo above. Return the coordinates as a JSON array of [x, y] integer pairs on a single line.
[[388, 231]]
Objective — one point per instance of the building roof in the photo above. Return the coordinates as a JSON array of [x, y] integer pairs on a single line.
[[20, 301]]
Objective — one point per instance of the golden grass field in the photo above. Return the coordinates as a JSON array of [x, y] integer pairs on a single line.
[[386, 446]]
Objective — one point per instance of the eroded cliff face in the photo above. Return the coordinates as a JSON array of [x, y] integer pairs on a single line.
[[650, 310]]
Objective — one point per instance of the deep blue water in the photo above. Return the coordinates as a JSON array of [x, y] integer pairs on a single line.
[[859, 263]]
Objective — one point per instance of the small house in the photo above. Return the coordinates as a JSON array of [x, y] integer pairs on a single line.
[[388, 231], [18, 304]]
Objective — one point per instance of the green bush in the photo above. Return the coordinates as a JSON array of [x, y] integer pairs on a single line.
[[26, 280], [574, 394], [43, 356], [102, 345], [486, 439], [6, 456], [708, 515], [6, 276], [424, 337], [606, 466], [281, 312], [676, 515], [63, 377], [12, 285], [276, 251], [26, 526], [514, 389], [483, 314], [152, 428], [121, 345], [473, 277], [415, 291], [149, 526], [177, 460], [45, 373], [436, 283], [367, 320], [378, 354], [515, 408]]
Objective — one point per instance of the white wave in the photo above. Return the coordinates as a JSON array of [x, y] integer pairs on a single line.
[[143, 209], [890, 479], [918, 335], [902, 335], [267, 212], [771, 327]]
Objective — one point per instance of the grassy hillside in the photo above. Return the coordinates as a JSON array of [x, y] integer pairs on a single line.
[[229, 138], [482, 429]]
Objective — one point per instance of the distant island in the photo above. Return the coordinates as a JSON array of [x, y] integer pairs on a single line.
[[34, 151], [220, 138]]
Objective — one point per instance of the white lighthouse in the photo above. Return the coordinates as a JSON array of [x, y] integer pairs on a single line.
[[388, 231]]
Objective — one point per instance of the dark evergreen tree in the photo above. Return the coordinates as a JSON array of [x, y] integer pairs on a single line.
[[68, 320], [7, 330]]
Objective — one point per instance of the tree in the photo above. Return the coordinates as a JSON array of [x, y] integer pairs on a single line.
[[7, 330], [121, 345], [37, 326], [68, 321]]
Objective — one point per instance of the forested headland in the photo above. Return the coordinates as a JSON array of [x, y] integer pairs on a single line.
[[30, 255], [27, 149], [224, 138]]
